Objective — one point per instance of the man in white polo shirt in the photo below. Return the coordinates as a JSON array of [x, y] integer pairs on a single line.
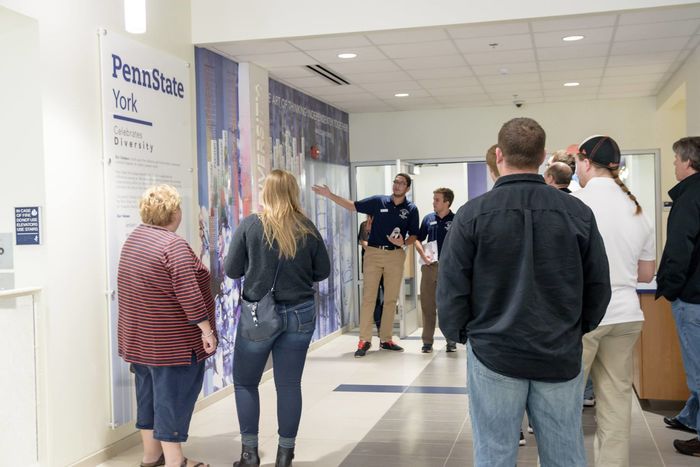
[[629, 243]]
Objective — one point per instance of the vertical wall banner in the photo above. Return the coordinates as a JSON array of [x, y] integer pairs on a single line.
[[310, 139], [225, 186], [146, 99]]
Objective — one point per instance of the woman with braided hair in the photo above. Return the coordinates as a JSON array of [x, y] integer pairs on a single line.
[[629, 244]]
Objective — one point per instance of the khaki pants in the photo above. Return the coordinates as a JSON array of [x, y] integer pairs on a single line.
[[428, 285], [378, 263], [608, 357]]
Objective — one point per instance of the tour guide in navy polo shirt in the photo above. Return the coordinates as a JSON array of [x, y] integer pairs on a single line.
[[433, 228], [395, 225]]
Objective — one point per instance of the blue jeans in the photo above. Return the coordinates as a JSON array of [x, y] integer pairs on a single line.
[[687, 316], [497, 404], [288, 350]]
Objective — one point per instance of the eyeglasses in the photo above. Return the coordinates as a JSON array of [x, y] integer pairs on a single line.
[[400, 182]]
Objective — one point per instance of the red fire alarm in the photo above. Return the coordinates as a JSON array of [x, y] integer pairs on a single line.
[[314, 152]]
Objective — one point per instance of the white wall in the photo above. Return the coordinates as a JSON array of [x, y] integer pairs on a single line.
[[225, 20], [75, 314], [469, 132]]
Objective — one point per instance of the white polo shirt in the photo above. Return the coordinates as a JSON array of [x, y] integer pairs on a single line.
[[628, 239]]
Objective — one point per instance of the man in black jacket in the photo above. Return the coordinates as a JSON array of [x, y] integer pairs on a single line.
[[678, 279], [524, 331]]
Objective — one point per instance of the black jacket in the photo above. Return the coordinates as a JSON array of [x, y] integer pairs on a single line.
[[679, 271], [249, 255], [523, 275]]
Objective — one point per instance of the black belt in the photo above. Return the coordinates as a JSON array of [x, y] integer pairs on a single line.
[[384, 247]]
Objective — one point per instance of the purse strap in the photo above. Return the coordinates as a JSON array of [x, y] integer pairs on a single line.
[[274, 281]]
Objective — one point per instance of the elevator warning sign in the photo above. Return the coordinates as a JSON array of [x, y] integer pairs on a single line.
[[27, 226]]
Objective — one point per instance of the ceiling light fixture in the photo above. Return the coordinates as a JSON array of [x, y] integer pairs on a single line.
[[135, 16], [571, 84], [347, 55], [401, 94], [572, 38]]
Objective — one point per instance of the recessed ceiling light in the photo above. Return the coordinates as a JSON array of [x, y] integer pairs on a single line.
[[401, 94], [572, 38], [347, 55], [571, 84]]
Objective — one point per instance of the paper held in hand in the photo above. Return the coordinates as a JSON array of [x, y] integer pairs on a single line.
[[431, 251]]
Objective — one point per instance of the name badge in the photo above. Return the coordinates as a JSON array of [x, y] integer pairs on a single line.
[[433, 223], [384, 210]]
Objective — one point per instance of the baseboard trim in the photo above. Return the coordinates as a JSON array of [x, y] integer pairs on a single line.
[[134, 439]]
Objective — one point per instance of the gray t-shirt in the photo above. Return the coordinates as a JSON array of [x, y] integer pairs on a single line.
[[250, 255]]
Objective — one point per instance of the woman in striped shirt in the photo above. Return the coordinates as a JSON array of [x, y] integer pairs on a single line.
[[166, 326], [280, 235]]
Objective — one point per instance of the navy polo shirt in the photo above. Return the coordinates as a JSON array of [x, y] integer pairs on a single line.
[[387, 217], [435, 228]]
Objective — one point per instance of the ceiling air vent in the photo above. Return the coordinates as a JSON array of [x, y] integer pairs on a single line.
[[331, 76]]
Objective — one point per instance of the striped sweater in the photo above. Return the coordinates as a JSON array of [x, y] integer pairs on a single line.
[[163, 291]]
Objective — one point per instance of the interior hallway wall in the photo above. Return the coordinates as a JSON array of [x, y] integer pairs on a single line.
[[74, 314]]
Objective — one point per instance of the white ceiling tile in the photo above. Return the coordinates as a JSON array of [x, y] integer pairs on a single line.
[[331, 55], [451, 72], [361, 97], [583, 83], [308, 82], [394, 86], [575, 24], [566, 92], [657, 15], [482, 44], [412, 100], [554, 38], [624, 95], [572, 75], [460, 91], [525, 95], [642, 59], [638, 87], [488, 30], [512, 78], [513, 68], [463, 99], [512, 88], [449, 82], [496, 57], [420, 49], [636, 70], [336, 90], [405, 36], [647, 46], [414, 94], [580, 51], [654, 79], [277, 60], [290, 72], [331, 42], [509, 102], [364, 78], [572, 64], [635, 32], [377, 66], [368, 108], [423, 63], [254, 47], [582, 97]]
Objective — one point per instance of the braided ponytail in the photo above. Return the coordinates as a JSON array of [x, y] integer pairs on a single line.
[[616, 176]]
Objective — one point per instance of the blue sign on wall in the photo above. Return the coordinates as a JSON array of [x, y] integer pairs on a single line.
[[27, 226]]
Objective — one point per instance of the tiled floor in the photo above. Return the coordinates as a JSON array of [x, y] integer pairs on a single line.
[[406, 429]]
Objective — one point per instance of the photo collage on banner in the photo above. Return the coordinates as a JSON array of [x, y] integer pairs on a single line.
[[310, 139], [224, 198]]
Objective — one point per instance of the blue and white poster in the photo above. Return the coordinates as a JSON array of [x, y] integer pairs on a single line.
[[146, 121], [27, 226]]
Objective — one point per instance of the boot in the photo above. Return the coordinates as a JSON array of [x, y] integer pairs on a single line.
[[284, 457], [249, 457]]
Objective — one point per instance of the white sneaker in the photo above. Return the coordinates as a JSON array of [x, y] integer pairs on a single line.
[[589, 402], [522, 441]]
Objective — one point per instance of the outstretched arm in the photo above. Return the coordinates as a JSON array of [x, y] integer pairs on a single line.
[[326, 192]]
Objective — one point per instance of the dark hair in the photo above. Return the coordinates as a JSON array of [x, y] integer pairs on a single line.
[[447, 194], [560, 172], [522, 142], [688, 148], [491, 160], [406, 177]]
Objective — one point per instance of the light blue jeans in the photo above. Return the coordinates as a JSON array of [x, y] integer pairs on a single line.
[[687, 316], [497, 404]]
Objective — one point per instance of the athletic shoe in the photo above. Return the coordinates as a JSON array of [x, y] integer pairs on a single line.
[[522, 441], [427, 348], [675, 424], [589, 402], [362, 348], [451, 347], [690, 447], [389, 345]]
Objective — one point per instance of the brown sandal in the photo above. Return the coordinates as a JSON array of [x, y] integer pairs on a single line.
[[198, 464], [158, 463]]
